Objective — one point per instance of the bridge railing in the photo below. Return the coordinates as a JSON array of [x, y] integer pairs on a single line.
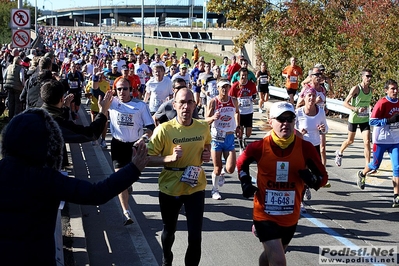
[[331, 104]]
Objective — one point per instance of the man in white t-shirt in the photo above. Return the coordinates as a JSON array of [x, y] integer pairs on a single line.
[[158, 89], [128, 118], [142, 70], [120, 62], [183, 74]]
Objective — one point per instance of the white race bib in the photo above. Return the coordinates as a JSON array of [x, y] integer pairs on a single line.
[[218, 135], [279, 202], [190, 175]]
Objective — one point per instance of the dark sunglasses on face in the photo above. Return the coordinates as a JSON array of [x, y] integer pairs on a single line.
[[288, 119], [123, 88], [317, 74], [369, 76]]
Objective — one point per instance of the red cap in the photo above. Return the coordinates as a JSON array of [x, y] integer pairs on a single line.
[[130, 65]]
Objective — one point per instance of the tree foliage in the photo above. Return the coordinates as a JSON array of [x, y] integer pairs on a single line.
[[344, 35]]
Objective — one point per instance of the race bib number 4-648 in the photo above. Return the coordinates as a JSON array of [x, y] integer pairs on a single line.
[[279, 202]]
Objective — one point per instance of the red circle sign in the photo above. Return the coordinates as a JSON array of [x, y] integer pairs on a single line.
[[21, 38], [20, 18]]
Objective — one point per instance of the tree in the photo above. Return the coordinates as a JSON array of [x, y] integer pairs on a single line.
[[345, 35]]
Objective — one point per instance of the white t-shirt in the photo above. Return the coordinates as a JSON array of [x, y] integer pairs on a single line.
[[186, 78], [120, 64], [159, 90], [141, 70], [310, 123], [127, 120]]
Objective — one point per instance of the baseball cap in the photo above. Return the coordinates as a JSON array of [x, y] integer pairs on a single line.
[[124, 67], [280, 107], [115, 64], [320, 66], [183, 66], [130, 65], [223, 82]]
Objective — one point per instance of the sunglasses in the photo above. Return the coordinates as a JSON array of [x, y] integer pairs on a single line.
[[368, 76], [316, 74], [288, 119], [123, 88]]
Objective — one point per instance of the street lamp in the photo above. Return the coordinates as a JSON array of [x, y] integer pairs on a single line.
[[116, 13], [52, 21]]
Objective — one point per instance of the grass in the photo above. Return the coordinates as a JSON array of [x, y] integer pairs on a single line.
[[179, 51]]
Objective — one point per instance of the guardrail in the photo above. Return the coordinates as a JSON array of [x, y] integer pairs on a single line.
[[331, 104]]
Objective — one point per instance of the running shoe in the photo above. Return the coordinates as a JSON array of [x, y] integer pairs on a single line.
[[327, 185], [338, 158], [395, 202], [260, 111], [361, 180], [103, 143], [216, 195], [308, 193], [303, 209], [128, 218]]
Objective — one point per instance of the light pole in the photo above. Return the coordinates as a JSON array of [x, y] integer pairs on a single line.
[[99, 16], [52, 19], [116, 13], [142, 24]]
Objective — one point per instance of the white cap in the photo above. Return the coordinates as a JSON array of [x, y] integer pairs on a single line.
[[280, 107], [223, 82]]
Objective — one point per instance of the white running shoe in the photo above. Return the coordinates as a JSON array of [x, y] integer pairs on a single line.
[[216, 195]]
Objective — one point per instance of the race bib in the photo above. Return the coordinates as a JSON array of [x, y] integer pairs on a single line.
[[364, 113], [218, 135], [245, 102], [125, 120], [263, 80], [190, 175], [279, 202], [293, 79], [73, 84]]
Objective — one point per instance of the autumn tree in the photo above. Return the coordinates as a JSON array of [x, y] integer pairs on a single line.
[[344, 35]]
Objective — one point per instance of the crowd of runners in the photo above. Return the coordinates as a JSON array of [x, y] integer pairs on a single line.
[[190, 110]]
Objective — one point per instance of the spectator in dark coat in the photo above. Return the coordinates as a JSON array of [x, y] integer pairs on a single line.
[[32, 187]]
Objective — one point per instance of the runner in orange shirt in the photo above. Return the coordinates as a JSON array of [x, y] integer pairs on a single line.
[[134, 80], [285, 164], [292, 73]]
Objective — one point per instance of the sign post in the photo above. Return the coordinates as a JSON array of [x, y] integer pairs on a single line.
[[20, 25]]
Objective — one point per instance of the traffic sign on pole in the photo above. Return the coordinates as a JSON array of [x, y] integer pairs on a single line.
[[20, 18], [20, 38]]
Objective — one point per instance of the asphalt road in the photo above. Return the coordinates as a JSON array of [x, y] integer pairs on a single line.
[[342, 215]]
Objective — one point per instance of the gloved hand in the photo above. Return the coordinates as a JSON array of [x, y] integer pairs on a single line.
[[310, 179], [393, 119], [248, 190]]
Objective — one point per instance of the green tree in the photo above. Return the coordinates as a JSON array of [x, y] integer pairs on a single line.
[[345, 35]]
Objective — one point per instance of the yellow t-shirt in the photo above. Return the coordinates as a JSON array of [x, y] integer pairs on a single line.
[[192, 138], [104, 87]]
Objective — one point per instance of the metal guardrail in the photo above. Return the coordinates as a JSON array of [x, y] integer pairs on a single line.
[[331, 104]]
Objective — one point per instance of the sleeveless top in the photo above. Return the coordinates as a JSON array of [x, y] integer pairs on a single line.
[[263, 80], [226, 121], [281, 186], [361, 100]]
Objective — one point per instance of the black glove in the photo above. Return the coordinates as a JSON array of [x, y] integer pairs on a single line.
[[248, 190], [393, 119], [310, 179]]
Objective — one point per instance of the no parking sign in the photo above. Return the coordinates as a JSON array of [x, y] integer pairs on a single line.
[[20, 38]]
